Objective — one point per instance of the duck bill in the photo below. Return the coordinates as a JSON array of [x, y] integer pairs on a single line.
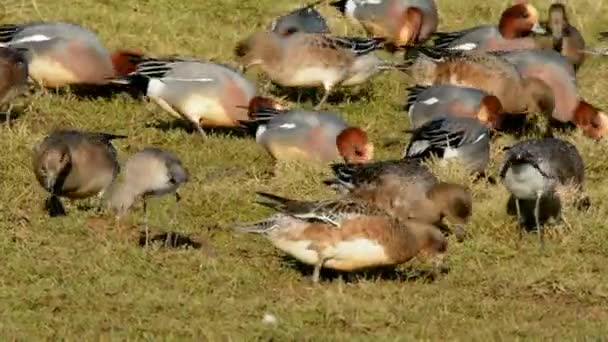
[[538, 29], [50, 182]]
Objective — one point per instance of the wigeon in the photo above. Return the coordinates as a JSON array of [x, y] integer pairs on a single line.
[[13, 75], [204, 93], [303, 19], [406, 189], [487, 71], [309, 135], [75, 165], [61, 54], [401, 22], [567, 39], [558, 74], [464, 139], [537, 168], [516, 23], [151, 172], [425, 103], [345, 235], [312, 60]]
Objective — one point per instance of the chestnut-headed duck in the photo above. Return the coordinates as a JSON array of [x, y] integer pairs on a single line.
[[75, 165], [536, 168], [309, 135], [401, 22], [464, 139], [345, 235], [567, 39], [204, 93], [13, 75], [487, 71], [516, 23], [151, 172], [406, 189], [425, 103], [312, 60], [303, 19], [558, 74], [61, 54]]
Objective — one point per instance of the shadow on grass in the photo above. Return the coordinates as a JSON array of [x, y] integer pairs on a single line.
[[409, 274], [314, 95], [238, 132]]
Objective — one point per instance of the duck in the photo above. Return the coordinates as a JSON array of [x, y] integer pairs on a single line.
[[299, 134], [344, 235], [14, 76], [566, 38], [460, 138], [512, 33], [151, 172], [312, 60], [61, 54], [76, 165], [407, 189], [206, 94], [558, 74], [401, 22], [534, 169], [425, 103], [304, 19], [487, 71]]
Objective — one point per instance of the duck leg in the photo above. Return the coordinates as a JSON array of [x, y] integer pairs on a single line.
[[324, 98], [145, 207], [539, 229], [316, 273], [519, 219]]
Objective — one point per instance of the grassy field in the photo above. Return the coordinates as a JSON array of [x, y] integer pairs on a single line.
[[77, 278]]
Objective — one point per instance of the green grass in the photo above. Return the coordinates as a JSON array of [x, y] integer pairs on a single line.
[[77, 278]]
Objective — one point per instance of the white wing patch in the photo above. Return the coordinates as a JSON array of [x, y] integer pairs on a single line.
[[418, 147], [260, 131], [288, 125], [481, 136], [465, 46], [430, 101], [34, 38], [187, 79]]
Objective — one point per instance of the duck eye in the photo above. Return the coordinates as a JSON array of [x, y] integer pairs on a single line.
[[525, 15]]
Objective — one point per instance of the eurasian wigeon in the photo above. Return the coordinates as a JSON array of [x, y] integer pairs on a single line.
[[13, 76], [75, 165], [425, 103], [309, 135], [204, 93], [345, 235], [151, 172], [303, 19], [487, 71], [401, 22], [567, 39], [558, 74], [312, 60], [535, 168], [516, 23], [60, 54], [406, 189], [464, 139]]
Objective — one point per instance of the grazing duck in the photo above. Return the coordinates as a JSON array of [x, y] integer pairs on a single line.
[[309, 135], [204, 93], [536, 168], [401, 22], [61, 54], [151, 172], [567, 39], [487, 71], [312, 60], [304, 19], [516, 24], [407, 189], [75, 165], [13, 76], [345, 235], [557, 73], [465, 139], [425, 103]]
